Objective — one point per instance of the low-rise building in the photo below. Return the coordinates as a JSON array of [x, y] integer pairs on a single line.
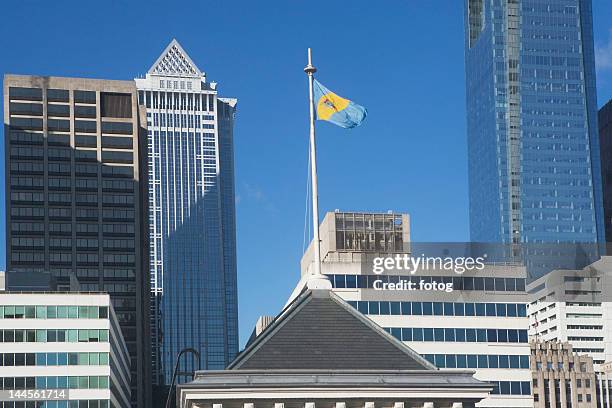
[[62, 350], [320, 352], [575, 306], [604, 386], [561, 377]]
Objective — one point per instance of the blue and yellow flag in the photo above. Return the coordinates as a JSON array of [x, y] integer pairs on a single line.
[[336, 109]]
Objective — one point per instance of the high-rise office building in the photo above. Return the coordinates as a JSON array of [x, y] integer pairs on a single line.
[[192, 215], [75, 200], [481, 324], [605, 144], [534, 166]]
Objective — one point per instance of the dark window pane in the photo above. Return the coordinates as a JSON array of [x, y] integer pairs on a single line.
[[58, 110], [127, 157], [127, 143], [86, 126], [85, 96], [58, 124], [58, 95], [33, 109], [117, 128], [30, 94], [85, 111], [116, 105], [26, 123], [86, 141]]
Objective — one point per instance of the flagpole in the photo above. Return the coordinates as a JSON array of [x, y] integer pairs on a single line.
[[319, 280]]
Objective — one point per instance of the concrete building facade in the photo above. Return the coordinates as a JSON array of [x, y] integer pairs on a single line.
[[573, 306], [62, 350], [561, 377], [481, 324], [76, 196]]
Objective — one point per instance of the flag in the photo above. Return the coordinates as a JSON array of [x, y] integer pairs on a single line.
[[336, 109]]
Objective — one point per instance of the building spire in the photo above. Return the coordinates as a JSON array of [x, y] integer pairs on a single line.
[[174, 61]]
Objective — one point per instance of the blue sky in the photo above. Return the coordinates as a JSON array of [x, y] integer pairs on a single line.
[[403, 60]]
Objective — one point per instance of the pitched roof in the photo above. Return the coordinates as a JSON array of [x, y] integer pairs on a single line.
[[174, 61], [319, 330]]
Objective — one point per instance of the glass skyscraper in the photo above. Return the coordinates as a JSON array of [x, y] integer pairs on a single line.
[[192, 215], [534, 168]]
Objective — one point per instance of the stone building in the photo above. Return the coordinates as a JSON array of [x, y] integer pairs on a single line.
[[561, 377]]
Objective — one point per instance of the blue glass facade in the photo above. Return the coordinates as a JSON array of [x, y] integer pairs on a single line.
[[192, 217], [534, 169]]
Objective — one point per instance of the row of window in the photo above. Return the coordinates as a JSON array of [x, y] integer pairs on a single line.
[[65, 183], [81, 243], [54, 382], [81, 258], [18, 167], [459, 282], [177, 101], [53, 335], [52, 359], [459, 335], [66, 228], [440, 308], [66, 212], [511, 388], [478, 360], [53, 312]]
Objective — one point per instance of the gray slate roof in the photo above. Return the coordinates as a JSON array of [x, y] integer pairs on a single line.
[[320, 331]]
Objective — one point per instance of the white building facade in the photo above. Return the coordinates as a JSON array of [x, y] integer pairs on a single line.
[[481, 325], [191, 215], [574, 306], [62, 350]]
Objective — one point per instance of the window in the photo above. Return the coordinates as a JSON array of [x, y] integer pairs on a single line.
[[116, 105], [85, 111], [86, 126], [85, 97], [58, 95], [117, 157], [117, 127], [26, 123], [117, 142], [31, 109], [31, 94]]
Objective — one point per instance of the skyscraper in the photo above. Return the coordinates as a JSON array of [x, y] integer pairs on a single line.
[[534, 167], [192, 215], [605, 142], [75, 202]]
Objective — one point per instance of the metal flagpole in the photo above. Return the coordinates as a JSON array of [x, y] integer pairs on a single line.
[[310, 70]]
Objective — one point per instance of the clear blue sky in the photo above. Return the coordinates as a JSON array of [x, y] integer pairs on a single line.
[[403, 60]]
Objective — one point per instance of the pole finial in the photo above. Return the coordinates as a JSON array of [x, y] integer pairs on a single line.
[[310, 69]]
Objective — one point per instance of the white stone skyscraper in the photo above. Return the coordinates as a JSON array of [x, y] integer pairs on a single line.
[[192, 229]]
